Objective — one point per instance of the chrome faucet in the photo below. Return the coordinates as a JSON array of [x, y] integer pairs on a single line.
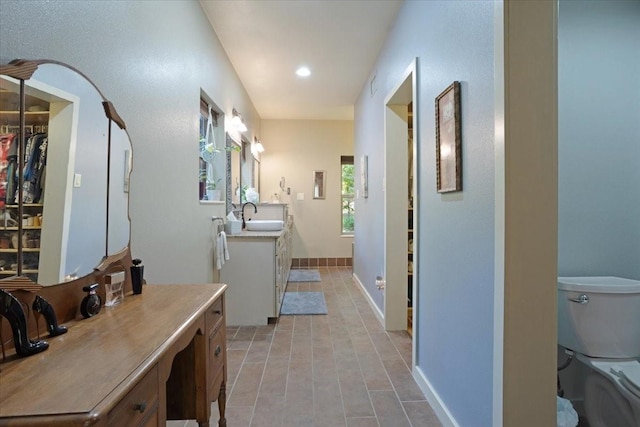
[[244, 224]]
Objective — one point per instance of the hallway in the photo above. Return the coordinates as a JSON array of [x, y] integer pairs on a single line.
[[341, 369]]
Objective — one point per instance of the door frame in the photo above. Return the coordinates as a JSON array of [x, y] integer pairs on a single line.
[[396, 203]]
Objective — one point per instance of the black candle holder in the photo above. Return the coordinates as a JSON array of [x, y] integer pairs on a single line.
[[137, 276]]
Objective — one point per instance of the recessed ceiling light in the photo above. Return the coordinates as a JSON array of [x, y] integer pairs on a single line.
[[303, 72]]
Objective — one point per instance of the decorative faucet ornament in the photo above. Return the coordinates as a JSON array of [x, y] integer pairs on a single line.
[[255, 210]]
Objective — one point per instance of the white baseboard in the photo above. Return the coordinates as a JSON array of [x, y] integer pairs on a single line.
[[441, 411], [434, 400], [373, 305]]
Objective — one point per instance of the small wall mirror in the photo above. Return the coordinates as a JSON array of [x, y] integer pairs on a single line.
[[233, 173], [319, 184]]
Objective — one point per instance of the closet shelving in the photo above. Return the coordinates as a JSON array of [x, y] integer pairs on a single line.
[[30, 242], [36, 122]]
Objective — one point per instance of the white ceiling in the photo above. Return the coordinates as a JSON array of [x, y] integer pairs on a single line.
[[268, 40]]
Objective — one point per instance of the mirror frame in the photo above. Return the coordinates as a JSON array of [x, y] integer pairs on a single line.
[[23, 70], [256, 174], [230, 146], [246, 168]]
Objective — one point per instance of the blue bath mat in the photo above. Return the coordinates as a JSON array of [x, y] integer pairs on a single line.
[[303, 303], [304, 276]]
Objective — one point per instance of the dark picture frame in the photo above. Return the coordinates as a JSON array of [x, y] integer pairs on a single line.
[[448, 140]]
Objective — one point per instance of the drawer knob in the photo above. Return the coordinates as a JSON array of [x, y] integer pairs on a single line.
[[217, 311], [140, 407], [218, 350]]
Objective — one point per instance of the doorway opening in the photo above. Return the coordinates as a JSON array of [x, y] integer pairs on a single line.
[[401, 207]]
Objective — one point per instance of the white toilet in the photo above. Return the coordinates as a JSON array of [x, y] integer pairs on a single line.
[[599, 319]]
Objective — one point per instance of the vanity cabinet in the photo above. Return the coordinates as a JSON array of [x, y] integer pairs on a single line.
[[283, 266], [140, 406], [154, 357], [216, 333], [256, 275]]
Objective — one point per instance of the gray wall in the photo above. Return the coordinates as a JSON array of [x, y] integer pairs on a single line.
[[599, 138], [453, 41], [598, 148], [151, 60]]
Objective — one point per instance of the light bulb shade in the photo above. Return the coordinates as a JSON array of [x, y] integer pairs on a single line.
[[259, 147], [303, 72], [238, 122]]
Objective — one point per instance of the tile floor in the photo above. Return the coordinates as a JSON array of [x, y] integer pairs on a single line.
[[340, 369]]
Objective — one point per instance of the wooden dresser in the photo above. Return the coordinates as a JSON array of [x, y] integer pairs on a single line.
[[156, 356]]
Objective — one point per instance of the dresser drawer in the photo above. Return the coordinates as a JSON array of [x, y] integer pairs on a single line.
[[214, 386], [214, 313], [216, 353], [139, 406]]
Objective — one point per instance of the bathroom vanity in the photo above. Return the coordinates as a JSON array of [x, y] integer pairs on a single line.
[[158, 355], [256, 275]]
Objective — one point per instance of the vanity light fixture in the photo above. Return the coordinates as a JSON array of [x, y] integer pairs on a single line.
[[258, 147], [238, 122], [303, 71]]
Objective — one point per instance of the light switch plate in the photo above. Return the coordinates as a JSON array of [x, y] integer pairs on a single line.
[[77, 180], [300, 196]]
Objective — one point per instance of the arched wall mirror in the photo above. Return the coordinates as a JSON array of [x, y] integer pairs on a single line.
[[73, 210]]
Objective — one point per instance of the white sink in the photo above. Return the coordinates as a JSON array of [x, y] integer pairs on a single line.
[[264, 225]]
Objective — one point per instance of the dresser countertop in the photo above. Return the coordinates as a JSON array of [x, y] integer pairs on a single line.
[[99, 356]]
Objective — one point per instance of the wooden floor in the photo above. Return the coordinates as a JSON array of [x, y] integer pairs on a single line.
[[339, 369]]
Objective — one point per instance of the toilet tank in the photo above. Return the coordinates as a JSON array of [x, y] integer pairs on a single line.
[[604, 319]]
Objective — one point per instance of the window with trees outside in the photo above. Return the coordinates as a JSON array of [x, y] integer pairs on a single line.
[[347, 202]]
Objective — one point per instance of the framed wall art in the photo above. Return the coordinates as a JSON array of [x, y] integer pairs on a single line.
[[448, 140], [364, 176]]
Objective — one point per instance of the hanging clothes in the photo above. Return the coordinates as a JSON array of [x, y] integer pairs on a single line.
[[11, 172], [34, 164], [5, 145], [38, 171]]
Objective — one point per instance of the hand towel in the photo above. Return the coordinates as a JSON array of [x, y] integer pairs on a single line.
[[223, 235], [221, 250]]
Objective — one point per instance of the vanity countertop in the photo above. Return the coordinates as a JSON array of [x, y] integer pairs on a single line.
[[245, 234], [257, 234]]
